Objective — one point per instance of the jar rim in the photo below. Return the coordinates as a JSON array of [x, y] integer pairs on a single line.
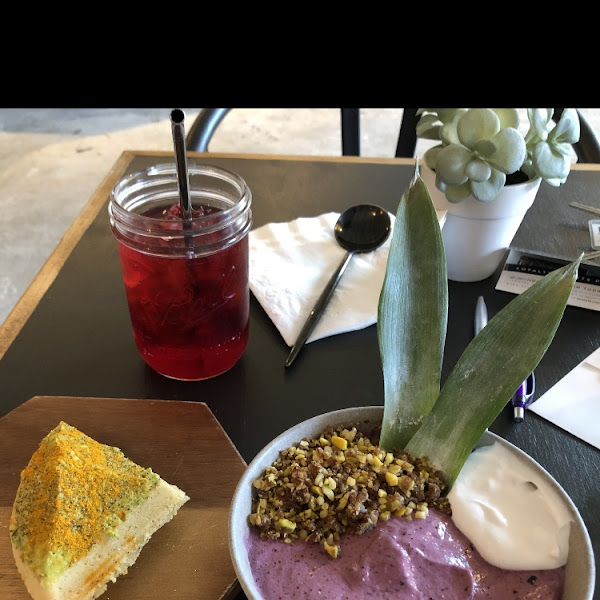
[[170, 170], [158, 185]]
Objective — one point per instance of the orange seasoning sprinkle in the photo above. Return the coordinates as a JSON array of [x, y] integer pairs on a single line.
[[73, 492]]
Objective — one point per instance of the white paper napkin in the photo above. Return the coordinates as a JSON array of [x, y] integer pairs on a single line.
[[573, 403], [291, 263]]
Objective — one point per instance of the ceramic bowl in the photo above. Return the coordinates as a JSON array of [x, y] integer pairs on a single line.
[[580, 573]]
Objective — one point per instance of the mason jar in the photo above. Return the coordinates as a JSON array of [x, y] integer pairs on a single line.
[[186, 280]]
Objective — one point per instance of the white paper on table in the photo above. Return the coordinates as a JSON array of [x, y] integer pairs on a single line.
[[290, 264], [573, 403]]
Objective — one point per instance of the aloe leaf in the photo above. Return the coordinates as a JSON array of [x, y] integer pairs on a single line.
[[491, 368], [412, 316]]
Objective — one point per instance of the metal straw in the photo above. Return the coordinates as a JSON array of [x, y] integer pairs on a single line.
[[178, 130]]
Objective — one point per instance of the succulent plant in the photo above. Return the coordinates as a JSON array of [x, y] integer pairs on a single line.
[[481, 146]]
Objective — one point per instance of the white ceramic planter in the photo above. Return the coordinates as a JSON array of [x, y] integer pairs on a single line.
[[580, 574], [477, 234]]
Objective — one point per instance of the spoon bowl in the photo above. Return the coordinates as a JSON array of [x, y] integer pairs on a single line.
[[362, 228], [359, 229]]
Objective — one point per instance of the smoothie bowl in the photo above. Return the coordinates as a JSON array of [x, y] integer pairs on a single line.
[[377, 562], [416, 499]]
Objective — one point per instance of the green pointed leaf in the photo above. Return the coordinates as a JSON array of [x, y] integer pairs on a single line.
[[496, 361], [412, 316]]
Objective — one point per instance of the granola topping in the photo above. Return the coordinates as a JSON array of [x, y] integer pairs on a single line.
[[341, 482]]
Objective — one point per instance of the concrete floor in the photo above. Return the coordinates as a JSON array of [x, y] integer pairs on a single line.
[[52, 161]]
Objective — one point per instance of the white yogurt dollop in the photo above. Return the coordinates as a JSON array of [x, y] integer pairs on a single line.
[[514, 518]]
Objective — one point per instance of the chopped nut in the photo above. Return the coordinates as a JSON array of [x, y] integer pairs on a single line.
[[391, 479], [349, 434], [406, 483], [374, 460], [339, 442], [343, 501], [286, 524], [319, 489], [329, 493], [332, 550]]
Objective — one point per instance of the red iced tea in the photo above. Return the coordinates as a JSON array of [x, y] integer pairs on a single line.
[[189, 315]]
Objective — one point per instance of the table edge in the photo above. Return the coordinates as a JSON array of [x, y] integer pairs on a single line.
[[50, 269]]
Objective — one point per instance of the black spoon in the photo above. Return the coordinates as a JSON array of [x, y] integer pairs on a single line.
[[359, 229]]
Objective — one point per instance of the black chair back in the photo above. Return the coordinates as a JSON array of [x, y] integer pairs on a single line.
[[208, 120]]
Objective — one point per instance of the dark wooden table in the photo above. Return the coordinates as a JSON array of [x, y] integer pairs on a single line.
[[70, 334]]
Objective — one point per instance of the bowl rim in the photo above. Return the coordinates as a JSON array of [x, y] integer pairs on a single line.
[[580, 568]]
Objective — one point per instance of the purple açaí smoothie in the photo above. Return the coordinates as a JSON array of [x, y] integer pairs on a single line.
[[401, 559]]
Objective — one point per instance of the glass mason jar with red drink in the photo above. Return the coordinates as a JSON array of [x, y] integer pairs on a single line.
[[186, 281]]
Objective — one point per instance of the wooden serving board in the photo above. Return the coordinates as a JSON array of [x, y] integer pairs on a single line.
[[188, 558]]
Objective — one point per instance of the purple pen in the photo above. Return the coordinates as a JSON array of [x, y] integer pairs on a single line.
[[522, 398]]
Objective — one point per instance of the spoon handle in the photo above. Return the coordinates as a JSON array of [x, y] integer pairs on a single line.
[[318, 309]]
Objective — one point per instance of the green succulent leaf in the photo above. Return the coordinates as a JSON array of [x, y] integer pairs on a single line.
[[567, 129], [439, 123], [479, 171], [539, 119], [477, 124], [456, 193], [412, 316], [428, 127], [491, 368], [430, 156], [549, 162], [484, 147], [527, 168], [448, 131], [448, 134], [510, 151], [509, 117], [486, 191], [471, 136], [447, 115], [451, 164]]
